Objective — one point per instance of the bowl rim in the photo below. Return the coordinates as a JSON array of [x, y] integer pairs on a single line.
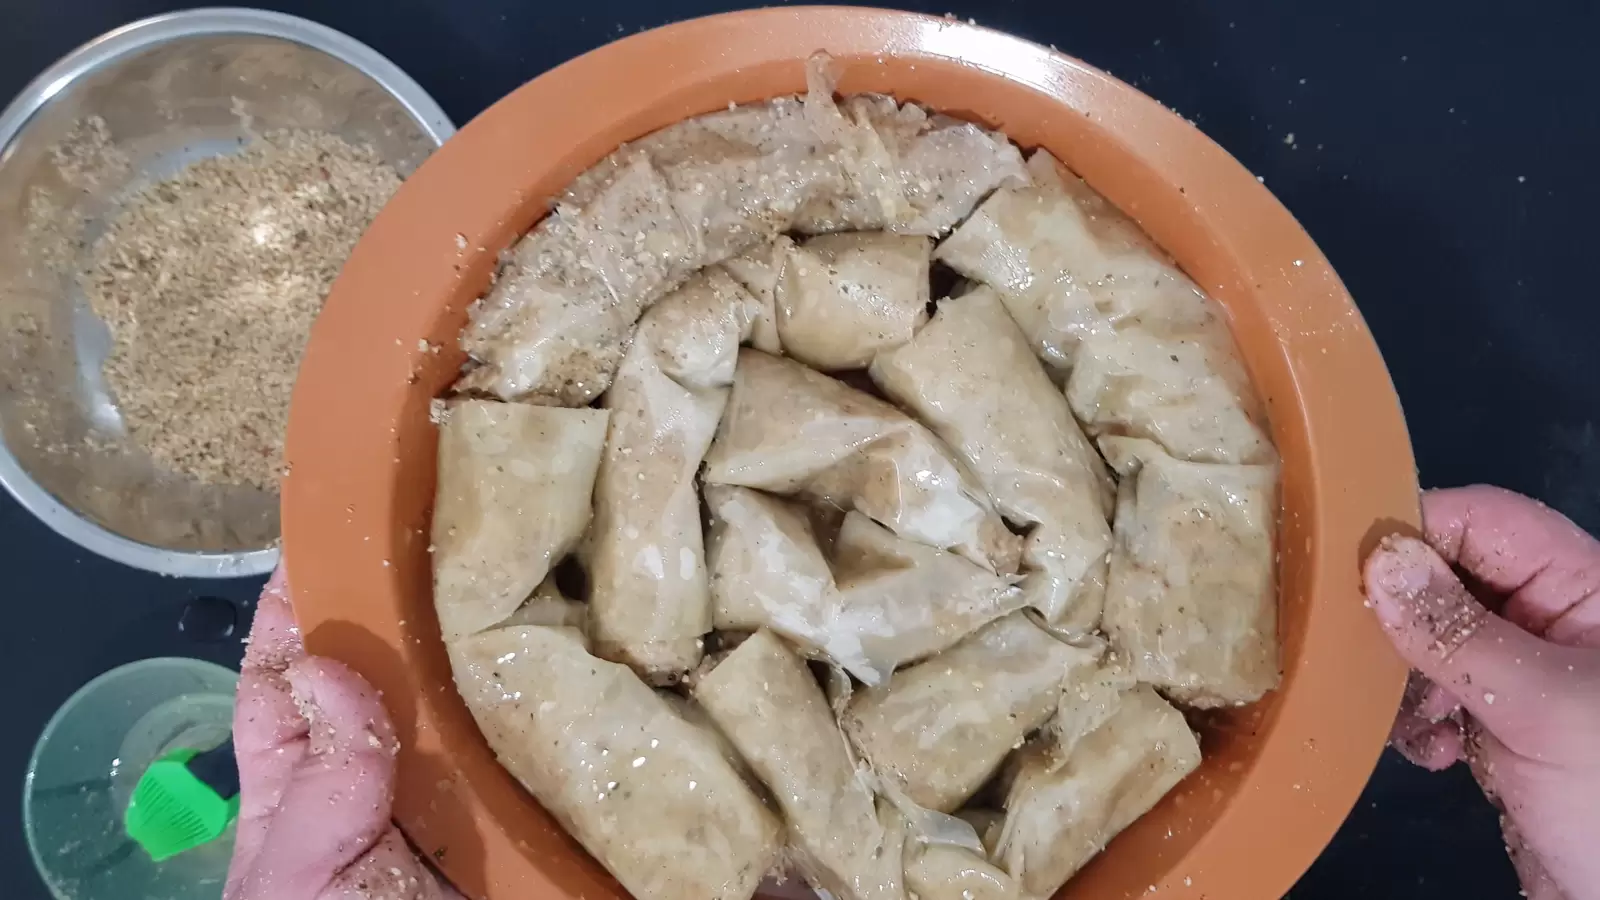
[[87, 58], [351, 570]]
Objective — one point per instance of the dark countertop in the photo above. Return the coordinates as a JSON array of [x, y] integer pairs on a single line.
[[1441, 154]]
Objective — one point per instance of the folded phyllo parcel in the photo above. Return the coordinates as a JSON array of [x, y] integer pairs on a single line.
[[1191, 601]]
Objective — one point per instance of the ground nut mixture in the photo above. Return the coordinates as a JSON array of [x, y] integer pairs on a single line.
[[210, 281]]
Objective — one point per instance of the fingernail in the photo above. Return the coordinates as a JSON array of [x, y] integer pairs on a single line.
[[1414, 593], [1398, 583], [1402, 574]]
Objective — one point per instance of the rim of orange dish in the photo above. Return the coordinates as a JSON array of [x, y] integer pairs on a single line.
[[1279, 777]]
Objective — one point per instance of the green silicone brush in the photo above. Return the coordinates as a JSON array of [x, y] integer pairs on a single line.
[[185, 799]]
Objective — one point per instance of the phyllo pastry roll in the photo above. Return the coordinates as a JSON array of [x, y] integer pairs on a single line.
[[791, 430], [881, 603], [1063, 807], [843, 298], [1187, 391], [649, 598], [917, 173], [513, 498], [651, 796], [939, 729], [1068, 264], [947, 872], [765, 699], [970, 377], [1191, 601]]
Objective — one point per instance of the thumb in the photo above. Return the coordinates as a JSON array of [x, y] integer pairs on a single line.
[[1509, 680]]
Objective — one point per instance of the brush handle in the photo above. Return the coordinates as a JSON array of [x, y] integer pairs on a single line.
[[218, 768]]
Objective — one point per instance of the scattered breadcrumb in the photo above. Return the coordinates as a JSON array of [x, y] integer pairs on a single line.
[[209, 282]]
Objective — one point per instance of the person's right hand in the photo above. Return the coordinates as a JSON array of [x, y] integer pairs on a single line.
[[1515, 693]]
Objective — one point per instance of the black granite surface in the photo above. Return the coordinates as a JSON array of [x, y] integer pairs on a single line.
[[1442, 154]]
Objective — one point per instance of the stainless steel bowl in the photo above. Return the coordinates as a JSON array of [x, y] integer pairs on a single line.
[[170, 89]]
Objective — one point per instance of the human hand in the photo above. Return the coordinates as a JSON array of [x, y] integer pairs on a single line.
[[1514, 692], [316, 777]]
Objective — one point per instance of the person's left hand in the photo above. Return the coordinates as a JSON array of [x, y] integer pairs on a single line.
[[316, 777]]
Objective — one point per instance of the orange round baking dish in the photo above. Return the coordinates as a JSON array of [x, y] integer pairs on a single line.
[[1278, 777]]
